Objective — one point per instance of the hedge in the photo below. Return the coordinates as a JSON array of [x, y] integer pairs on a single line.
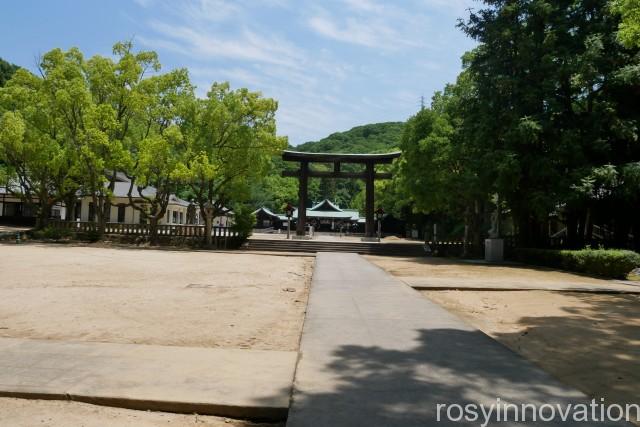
[[614, 263]]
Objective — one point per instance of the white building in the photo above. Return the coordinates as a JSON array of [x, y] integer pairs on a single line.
[[13, 210], [122, 212]]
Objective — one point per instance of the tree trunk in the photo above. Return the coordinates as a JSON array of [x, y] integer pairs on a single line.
[[207, 229], [524, 228], [103, 211], [42, 219], [153, 231], [467, 221], [70, 204], [100, 222], [572, 227], [582, 222], [588, 230], [636, 234], [622, 228]]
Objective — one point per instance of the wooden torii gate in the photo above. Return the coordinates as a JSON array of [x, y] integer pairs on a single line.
[[305, 172]]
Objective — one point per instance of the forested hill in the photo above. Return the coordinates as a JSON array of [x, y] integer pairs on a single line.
[[6, 71], [371, 138], [276, 191]]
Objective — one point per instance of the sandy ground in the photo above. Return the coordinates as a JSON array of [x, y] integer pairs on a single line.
[[183, 298], [49, 413], [589, 341], [464, 272]]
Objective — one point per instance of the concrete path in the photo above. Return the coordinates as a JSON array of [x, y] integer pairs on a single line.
[[441, 283], [226, 382], [376, 353]]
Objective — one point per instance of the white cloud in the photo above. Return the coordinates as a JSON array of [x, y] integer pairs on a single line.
[[201, 44], [371, 24], [455, 8], [321, 88], [352, 31], [144, 3]]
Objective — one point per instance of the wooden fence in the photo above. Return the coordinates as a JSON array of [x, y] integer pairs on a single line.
[[221, 235]]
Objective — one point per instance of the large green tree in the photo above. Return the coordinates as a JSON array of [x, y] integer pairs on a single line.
[[554, 100], [440, 170], [39, 165], [232, 137], [158, 151], [98, 102]]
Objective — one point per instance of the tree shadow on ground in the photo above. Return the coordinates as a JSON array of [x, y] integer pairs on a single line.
[[386, 386], [594, 345]]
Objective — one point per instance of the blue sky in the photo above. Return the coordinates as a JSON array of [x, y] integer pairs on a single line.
[[331, 64]]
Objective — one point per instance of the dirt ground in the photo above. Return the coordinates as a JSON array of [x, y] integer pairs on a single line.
[[182, 298], [51, 413], [589, 341], [458, 272]]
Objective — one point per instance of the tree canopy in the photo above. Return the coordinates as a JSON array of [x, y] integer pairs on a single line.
[[69, 130], [544, 110], [629, 28]]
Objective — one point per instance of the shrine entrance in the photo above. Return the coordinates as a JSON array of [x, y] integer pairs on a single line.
[[369, 175]]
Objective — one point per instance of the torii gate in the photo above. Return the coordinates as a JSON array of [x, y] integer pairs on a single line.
[[369, 175]]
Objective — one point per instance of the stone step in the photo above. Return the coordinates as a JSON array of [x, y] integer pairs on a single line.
[[400, 249]]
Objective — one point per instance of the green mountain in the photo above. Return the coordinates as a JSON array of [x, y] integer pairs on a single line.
[[276, 191], [6, 71], [371, 138]]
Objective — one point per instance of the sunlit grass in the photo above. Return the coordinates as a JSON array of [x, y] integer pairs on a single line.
[[633, 277]]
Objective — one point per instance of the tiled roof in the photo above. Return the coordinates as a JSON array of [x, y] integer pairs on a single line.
[[265, 210], [326, 205]]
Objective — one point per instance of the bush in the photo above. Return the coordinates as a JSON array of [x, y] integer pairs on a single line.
[[614, 263], [51, 233], [93, 236], [243, 221]]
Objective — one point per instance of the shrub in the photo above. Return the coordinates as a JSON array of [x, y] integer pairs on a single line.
[[243, 221], [93, 236], [614, 263], [51, 233]]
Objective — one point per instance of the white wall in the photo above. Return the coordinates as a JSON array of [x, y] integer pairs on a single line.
[[169, 217], [132, 216]]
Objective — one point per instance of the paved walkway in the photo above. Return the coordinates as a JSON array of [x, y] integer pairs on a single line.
[[376, 353], [226, 382]]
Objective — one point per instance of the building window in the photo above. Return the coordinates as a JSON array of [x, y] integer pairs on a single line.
[[121, 211], [92, 212], [181, 217], [175, 217]]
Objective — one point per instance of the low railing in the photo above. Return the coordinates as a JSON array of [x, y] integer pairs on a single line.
[[448, 248], [456, 248], [220, 235]]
